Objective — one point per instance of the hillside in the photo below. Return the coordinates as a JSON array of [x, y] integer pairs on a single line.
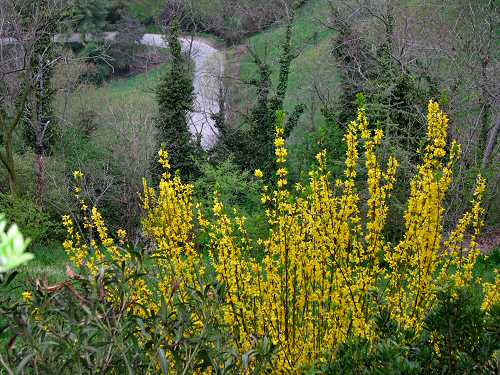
[[249, 187]]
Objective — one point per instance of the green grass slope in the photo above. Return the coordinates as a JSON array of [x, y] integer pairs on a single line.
[[312, 72]]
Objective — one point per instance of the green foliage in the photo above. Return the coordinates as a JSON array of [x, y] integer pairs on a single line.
[[235, 188], [101, 337], [175, 96], [100, 69], [12, 247], [386, 356], [146, 11], [35, 224], [90, 15], [116, 58], [459, 337], [77, 326]]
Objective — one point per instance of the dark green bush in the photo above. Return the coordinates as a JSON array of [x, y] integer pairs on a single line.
[[458, 338], [33, 223]]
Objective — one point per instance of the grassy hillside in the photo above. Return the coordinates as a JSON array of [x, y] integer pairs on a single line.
[[311, 72], [132, 92]]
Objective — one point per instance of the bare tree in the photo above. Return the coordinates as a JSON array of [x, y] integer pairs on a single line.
[[228, 19], [26, 40]]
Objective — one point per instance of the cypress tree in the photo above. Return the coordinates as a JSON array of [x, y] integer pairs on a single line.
[[175, 96]]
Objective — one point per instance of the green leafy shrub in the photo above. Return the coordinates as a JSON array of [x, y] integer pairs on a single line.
[[385, 356], [35, 224], [100, 68], [236, 188], [77, 326], [458, 338]]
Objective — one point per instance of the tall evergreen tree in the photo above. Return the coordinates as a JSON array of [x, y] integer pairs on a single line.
[[392, 90], [254, 148], [175, 96]]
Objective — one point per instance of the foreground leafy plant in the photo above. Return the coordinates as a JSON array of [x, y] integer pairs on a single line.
[[458, 337], [12, 247]]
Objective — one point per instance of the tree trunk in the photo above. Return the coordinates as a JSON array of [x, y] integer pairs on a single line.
[[492, 141], [39, 128], [7, 157], [11, 175], [40, 178]]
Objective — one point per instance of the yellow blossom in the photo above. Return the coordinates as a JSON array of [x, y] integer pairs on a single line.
[[77, 174], [308, 283], [27, 296]]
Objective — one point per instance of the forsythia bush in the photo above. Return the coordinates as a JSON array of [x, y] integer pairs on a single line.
[[325, 271]]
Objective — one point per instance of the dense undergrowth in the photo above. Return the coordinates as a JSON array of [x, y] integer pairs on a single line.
[[320, 291]]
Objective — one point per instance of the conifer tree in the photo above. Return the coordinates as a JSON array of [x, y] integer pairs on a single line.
[[255, 148], [175, 96], [392, 91]]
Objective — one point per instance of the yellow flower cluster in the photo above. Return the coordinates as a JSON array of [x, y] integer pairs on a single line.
[[416, 259], [90, 252], [311, 290], [27, 296], [169, 222], [492, 292], [325, 267], [319, 279]]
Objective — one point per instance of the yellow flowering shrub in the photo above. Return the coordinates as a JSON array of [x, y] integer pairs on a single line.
[[325, 269]]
